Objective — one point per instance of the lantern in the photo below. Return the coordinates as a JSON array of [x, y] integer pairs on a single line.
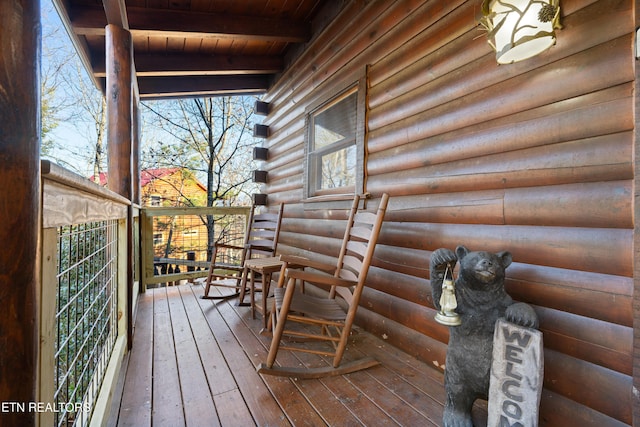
[[448, 303]]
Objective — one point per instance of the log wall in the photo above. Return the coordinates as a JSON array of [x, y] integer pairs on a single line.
[[534, 157]]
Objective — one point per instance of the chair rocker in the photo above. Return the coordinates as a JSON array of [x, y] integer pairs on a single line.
[[329, 318], [261, 240]]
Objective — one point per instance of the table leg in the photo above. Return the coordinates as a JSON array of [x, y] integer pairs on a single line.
[[252, 293], [266, 284]]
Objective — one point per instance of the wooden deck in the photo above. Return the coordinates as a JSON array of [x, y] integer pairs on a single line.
[[193, 363]]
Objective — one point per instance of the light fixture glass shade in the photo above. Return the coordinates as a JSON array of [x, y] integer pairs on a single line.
[[520, 29]]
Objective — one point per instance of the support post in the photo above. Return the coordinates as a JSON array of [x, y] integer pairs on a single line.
[[135, 145], [636, 232], [119, 66], [20, 39], [119, 110]]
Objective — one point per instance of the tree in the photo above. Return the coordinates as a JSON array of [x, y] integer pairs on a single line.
[[89, 115], [72, 107], [212, 138], [55, 57]]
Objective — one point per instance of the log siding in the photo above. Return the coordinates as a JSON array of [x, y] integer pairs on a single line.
[[535, 157]]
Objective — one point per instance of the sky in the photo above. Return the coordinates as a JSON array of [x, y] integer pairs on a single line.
[[75, 134]]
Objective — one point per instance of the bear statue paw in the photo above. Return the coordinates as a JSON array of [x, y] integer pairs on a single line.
[[522, 314], [441, 257]]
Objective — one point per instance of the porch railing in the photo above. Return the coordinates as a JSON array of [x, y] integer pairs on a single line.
[[83, 318], [176, 242], [85, 271], [86, 315]]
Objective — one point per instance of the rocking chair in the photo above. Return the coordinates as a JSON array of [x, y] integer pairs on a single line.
[[261, 240], [333, 317]]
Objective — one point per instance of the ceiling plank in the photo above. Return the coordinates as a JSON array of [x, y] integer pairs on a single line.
[[197, 64], [179, 23]]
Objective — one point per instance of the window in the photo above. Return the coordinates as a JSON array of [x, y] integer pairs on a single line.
[[156, 200], [335, 145], [158, 238]]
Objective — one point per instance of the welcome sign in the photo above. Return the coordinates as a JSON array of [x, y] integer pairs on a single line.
[[516, 379]]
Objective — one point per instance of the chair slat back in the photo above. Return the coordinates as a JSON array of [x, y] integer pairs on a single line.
[[358, 245], [263, 232], [360, 232], [365, 218], [350, 268]]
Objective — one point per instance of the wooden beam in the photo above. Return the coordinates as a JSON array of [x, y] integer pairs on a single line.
[[119, 109], [179, 23], [260, 131], [166, 87], [260, 176], [116, 13], [135, 147], [154, 65], [120, 127], [261, 108], [259, 199], [260, 153], [20, 38]]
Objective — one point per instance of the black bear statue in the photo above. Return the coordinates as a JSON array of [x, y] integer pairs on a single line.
[[481, 301]]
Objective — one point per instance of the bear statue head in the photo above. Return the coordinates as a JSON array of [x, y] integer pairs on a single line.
[[482, 269]]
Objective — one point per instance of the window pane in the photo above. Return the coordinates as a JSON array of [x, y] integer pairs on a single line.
[[336, 123], [338, 168], [332, 150]]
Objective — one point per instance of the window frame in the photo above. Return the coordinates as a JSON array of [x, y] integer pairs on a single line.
[[155, 200], [311, 156]]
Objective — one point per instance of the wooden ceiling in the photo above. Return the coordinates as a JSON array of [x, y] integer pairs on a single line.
[[186, 48]]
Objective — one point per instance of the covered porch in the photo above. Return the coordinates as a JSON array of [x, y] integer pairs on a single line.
[[193, 363], [539, 158]]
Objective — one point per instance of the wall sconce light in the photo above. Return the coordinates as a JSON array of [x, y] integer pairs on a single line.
[[520, 29]]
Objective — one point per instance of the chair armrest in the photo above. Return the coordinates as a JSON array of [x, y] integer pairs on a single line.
[[320, 278], [306, 262]]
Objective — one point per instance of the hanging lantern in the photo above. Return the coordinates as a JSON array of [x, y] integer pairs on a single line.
[[448, 303], [520, 29]]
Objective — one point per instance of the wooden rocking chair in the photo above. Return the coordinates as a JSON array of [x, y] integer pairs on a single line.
[[261, 240], [333, 319]]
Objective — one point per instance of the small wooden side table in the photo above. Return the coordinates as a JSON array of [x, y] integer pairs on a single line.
[[265, 267]]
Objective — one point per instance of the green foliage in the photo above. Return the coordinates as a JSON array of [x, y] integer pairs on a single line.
[[85, 307]]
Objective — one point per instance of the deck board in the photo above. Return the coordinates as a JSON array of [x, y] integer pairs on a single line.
[[193, 363], [262, 406], [196, 394], [167, 406], [135, 407], [297, 407]]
